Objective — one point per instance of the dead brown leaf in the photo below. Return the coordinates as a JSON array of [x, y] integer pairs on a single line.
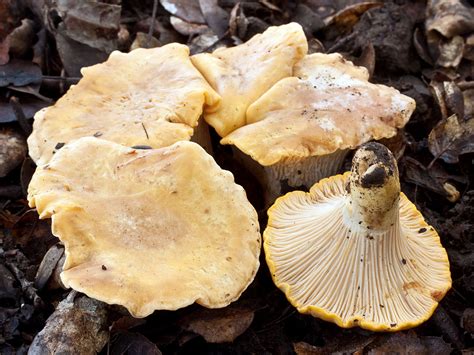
[[75, 55], [309, 20], [10, 11], [95, 24], [22, 38], [449, 17], [302, 348], [345, 343], [396, 144], [33, 235], [467, 320], [367, 59], [419, 41], [238, 22], [187, 28], [124, 342], [437, 90], [12, 151], [188, 10], [315, 46], [48, 264], [451, 52], [4, 51], [142, 40], [469, 48], [346, 18], [216, 17], [269, 5], [219, 325], [433, 179], [204, 42], [29, 106], [468, 96], [451, 138], [410, 343], [454, 98], [19, 73]]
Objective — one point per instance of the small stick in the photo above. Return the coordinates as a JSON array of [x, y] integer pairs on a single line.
[[152, 24], [20, 115]]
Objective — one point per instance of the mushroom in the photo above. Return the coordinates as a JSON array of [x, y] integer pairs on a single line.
[[154, 229], [301, 129], [241, 74], [355, 251], [148, 97]]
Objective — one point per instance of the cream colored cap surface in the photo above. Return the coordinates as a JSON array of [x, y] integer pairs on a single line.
[[148, 229], [241, 74], [148, 97], [332, 268], [328, 105]]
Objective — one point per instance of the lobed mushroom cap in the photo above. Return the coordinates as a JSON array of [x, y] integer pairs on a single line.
[[241, 74], [148, 97], [328, 105], [148, 229], [330, 267]]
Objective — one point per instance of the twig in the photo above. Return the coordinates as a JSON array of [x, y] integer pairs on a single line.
[[20, 115], [152, 24], [146, 133], [66, 80]]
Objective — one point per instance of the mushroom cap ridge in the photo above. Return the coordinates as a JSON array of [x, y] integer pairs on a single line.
[[149, 97], [410, 217], [148, 229]]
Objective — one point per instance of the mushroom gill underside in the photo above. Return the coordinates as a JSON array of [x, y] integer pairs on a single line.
[[342, 273]]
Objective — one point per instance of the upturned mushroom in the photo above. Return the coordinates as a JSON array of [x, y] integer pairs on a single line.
[[155, 229], [355, 251], [301, 129], [150, 97], [241, 74]]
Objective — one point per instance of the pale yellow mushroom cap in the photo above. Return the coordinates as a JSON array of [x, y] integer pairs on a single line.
[[375, 263], [148, 229], [241, 74], [328, 105], [148, 97]]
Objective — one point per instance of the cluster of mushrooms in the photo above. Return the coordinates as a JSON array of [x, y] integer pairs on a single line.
[[151, 222]]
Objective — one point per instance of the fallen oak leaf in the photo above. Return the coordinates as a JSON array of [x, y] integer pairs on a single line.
[[450, 138], [188, 10], [434, 179], [124, 342], [216, 17], [409, 343], [449, 17], [29, 106], [219, 325], [19, 73], [187, 28]]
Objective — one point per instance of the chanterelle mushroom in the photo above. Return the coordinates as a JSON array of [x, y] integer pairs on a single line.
[[355, 251], [148, 229], [300, 130], [148, 97], [241, 74]]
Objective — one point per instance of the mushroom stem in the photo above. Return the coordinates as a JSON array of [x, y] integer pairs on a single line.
[[291, 173], [374, 187], [202, 136]]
